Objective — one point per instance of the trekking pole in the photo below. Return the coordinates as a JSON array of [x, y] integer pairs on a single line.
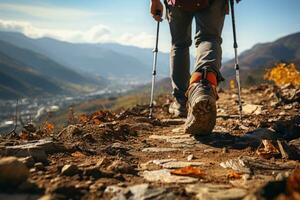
[[236, 61], [155, 52]]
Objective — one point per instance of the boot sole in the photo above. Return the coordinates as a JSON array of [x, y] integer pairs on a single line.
[[203, 118]]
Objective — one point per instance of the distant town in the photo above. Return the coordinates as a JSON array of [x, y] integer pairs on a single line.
[[32, 109]]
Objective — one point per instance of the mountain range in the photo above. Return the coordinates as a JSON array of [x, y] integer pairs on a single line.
[[103, 60], [255, 61], [26, 73], [31, 67]]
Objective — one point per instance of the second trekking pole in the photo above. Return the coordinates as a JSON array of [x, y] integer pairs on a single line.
[[236, 61], [155, 52]]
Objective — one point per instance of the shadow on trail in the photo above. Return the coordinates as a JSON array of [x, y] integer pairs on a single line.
[[223, 139], [285, 130]]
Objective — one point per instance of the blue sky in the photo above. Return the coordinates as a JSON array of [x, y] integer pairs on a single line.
[[128, 21]]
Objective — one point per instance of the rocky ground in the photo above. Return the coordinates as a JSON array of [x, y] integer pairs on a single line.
[[128, 156]]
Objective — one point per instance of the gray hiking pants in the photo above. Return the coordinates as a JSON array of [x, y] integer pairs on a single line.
[[209, 25]]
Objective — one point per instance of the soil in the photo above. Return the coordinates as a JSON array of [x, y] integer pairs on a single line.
[[108, 149]]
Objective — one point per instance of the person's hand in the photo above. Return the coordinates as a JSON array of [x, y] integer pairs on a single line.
[[156, 9]]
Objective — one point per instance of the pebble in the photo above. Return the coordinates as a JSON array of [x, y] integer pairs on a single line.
[[69, 170], [250, 109], [216, 192], [190, 157], [164, 176], [210, 151], [28, 161], [119, 166], [39, 166], [225, 150], [141, 191], [181, 164], [12, 171], [158, 149], [30, 127], [113, 189], [168, 137]]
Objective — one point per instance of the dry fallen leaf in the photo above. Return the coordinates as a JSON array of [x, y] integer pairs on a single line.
[[189, 171], [24, 135], [83, 118], [78, 154], [48, 127], [283, 74], [268, 151], [234, 175], [97, 121]]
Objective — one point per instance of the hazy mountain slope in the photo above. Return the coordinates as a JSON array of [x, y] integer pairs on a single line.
[[255, 61], [18, 80], [102, 60], [42, 64], [144, 55]]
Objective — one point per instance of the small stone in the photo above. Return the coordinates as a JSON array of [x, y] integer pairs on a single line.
[[224, 150], [163, 161], [282, 175], [216, 192], [210, 151], [274, 104], [113, 189], [28, 161], [32, 170], [119, 166], [158, 149], [288, 107], [97, 186], [69, 170], [31, 128], [247, 164], [250, 109], [164, 176], [246, 177], [12, 171], [181, 164], [190, 157], [39, 166], [143, 191]]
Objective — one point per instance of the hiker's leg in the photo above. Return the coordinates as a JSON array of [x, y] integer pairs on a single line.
[[209, 25], [180, 23]]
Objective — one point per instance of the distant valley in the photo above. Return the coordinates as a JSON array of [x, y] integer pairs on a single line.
[[45, 66]]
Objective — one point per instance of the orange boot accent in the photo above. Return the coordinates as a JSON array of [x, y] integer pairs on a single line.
[[196, 77], [211, 77]]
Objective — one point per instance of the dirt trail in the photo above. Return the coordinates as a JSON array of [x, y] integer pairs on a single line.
[[128, 156]]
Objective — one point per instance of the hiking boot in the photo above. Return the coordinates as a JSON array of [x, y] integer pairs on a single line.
[[201, 108], [178, 108]]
